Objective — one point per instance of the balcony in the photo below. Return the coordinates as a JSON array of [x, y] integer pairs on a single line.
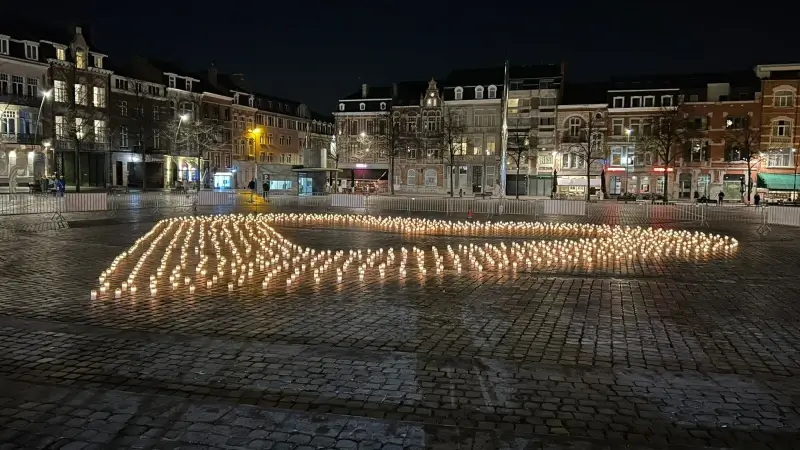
[[780, 140], [25, 139], [577, 139]]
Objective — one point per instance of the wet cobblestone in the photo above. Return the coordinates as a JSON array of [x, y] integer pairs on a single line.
[[651, 354]]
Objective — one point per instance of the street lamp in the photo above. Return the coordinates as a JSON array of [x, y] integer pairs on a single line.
[[794, 187], [181, 118], [45, 95]]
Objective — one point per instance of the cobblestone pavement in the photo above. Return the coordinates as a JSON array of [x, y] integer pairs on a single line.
[[643, 354]]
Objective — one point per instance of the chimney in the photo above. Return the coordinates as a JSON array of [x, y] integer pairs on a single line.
[[364, 90], [212, 74], [394, 90], [78, 30]]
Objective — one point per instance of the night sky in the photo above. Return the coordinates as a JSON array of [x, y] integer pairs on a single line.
[[320, 51]]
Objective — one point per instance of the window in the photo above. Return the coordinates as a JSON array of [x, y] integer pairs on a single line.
[[262, 139], [99, 130], [33, 87], [735, 123], [547, 102], [383, 106], [694, 98], [32, 51], [61, 91], [780, 128], [362, 107], [188, 85], [479, 92], [123, 137], [485, 117], [636, 127], [80, 94], [251, 101], [430, 177], [3, 83], [154, 90], [547, 121], [666, 100], [490, 145], [61, 130], [617, 126], [171, 81], [138, 87], [280, 122], [98, 61], [616, 156], [8, 122], [636, 102], [99, 96], [156, 139], [282, 140], [477, 145], [288, 140], [156, 113], [459, 93], [80, 127], [123, 108], [492, 91], [784, 98], [3, 45], [649, 101], [270, 139], [648, 159], [619, 102], [411, 178], [61, 54], [18, 85], [575, 126], [121, 84], [780, 158], [80, 59]]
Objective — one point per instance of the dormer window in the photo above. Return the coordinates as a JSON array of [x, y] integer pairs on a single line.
[[32, 51], [188, 84], [478, 92], [459, 91], [98, 61], [251, 101], [80, 59], [341, 106], [172, 81], [362, 106], [61, 54], [492, 91], [3, 45], [383, 106]]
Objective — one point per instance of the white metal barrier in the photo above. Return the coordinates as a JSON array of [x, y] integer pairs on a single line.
[[783, 215], [347, 201], [214, 198], [85, 202], [564, 207]]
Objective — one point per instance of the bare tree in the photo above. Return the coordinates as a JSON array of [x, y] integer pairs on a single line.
[[586, 142], [452, 140], [390, 140], [670, 130], [192, 138], [742, 143], [82, 121], [519, 145], [143, 124]]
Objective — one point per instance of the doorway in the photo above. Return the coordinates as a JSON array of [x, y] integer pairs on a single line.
[[118, 173]]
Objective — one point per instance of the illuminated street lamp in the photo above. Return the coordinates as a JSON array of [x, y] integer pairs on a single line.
[[628, 158], [45, 95]]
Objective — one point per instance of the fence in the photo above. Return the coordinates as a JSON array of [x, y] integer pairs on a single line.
[[232, 201]]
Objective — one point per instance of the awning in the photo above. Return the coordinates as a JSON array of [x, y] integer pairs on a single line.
[[777, 181]]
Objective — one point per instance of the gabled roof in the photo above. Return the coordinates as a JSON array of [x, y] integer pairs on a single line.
[[409, 93], [25, 29], [584, 93], [372, 92], [168, 67], [322, 117]]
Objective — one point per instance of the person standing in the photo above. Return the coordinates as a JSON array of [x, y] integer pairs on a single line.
[[757, 199], [721, 196], [252, 187]]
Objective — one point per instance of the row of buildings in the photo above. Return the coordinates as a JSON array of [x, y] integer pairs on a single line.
[[738, 133], [70, 109]]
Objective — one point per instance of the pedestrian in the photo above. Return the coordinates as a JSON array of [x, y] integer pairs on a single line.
[[264, 189], [469, 213], [757, 199], [252, 186], [721, 196]]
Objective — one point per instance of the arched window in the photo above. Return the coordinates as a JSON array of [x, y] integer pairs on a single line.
[[492, 91], [362, 106], [411, 178], [478, 92], [430, 177], [341, 106], [383, 106], [459, 91], [783, 98]]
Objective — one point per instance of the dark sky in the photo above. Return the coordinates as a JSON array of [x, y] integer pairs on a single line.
[[317, 51]]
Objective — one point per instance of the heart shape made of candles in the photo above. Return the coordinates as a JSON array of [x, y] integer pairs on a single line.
[[193, 254]]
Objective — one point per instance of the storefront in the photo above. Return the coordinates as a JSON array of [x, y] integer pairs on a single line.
[[541, 185], [575, 186], [775, 187], [733, 187], [223, 180]]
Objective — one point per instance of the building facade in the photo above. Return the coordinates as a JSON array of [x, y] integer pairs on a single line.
[[778, 131], [25, 108]]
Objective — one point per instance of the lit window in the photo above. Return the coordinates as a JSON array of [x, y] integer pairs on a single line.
[[61, 54], [383, 106], [3, 45], [80, 94], [80, 59], [98, 61], [99, 96], [341, 106]]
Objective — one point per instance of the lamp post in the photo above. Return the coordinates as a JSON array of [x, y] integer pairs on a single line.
[[255, 132], [628, 132], [794, 186], [45, 95], [182, 118], [555, 176]]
